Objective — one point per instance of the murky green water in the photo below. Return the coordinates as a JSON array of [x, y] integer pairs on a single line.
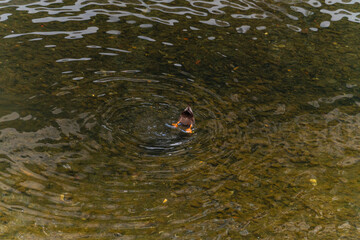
[[88, 88]]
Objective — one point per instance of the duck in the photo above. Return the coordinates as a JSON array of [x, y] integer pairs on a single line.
[[186, 119]]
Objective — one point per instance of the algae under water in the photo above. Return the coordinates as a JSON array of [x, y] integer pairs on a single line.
[[87, 89]]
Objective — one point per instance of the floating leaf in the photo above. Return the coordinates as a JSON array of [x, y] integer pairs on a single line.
[[313, 181]]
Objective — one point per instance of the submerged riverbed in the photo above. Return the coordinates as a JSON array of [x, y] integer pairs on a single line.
[[88, 90]]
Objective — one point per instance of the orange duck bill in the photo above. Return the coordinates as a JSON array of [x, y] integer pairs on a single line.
[[186, 119]]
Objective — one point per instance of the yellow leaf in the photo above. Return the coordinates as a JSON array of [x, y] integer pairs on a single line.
[[313, 181], [165, 200]]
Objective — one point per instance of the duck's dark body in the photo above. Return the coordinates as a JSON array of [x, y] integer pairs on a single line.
[[186, 119]]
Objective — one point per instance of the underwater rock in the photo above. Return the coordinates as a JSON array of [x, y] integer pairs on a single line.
[[348, 161], [345, 226]]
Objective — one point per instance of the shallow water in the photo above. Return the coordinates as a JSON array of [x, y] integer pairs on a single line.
[[88, 90]]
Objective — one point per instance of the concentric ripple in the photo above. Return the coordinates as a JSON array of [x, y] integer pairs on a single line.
[[139, 115], [88, 94], [90, 167]]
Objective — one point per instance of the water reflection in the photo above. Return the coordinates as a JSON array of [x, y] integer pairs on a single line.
[[164, 12], [71, 34], [89, 89]]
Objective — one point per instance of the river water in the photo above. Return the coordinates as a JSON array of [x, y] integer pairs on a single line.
[[89, 89]]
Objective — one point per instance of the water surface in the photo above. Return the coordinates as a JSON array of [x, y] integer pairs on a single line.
[[88, 90]]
